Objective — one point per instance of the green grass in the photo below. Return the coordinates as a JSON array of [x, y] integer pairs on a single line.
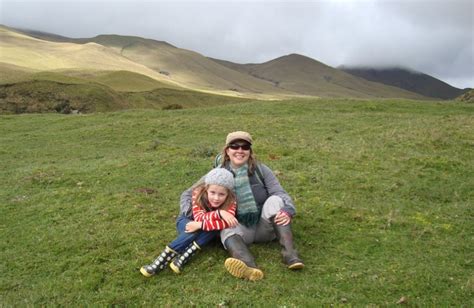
[[384, 192]]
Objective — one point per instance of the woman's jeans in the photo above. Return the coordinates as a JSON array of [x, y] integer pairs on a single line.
[[185, 239]]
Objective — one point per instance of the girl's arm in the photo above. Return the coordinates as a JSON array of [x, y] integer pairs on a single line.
[[200, 215], [223, 219], [229, 216], [193, 226]]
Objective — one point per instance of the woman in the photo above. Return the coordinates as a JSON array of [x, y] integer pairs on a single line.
[[264, 212]]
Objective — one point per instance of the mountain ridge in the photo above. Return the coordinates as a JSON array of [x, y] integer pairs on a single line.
[[302, 74]]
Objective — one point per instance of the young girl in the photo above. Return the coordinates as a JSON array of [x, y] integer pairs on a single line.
[[213, 209]]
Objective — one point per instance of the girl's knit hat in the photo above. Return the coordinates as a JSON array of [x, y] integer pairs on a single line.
[[220, 176]]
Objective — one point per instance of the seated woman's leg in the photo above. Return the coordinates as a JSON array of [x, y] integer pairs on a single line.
[[265, 231], [247, 234]]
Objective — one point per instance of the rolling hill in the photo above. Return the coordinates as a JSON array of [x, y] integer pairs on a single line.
[[190, 68], [409, 80], [130, 64]]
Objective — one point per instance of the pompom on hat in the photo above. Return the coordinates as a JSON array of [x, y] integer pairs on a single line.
[[239, 135], [221, 177]]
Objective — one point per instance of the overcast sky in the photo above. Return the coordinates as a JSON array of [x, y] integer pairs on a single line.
[[435, 37]]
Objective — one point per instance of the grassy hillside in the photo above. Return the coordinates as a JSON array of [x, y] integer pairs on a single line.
[[412, 81], [124, 81], [53, 92], [51, 96], [383, 191], [12, 73], [187, 67], [85, 91]]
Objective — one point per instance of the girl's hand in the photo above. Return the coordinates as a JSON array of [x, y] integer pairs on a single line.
[[228, 218], [282, 218], [193, 226]]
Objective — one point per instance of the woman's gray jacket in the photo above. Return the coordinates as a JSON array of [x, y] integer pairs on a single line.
[[262, 188]]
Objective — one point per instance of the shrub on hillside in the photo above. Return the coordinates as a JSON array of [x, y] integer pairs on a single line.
[[467, 97]]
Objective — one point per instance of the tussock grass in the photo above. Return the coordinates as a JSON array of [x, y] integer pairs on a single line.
[[383, 191]]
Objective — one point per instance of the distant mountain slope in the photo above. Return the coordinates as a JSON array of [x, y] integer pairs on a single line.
[[300, 74], [412, 81]]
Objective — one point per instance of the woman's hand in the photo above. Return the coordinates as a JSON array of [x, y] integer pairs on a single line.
[[193, 226], [228, 218], [282, 218]]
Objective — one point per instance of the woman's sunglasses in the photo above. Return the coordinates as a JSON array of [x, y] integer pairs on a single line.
[[236, 146]]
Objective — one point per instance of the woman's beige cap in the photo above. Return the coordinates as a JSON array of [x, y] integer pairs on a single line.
[[239, 135]]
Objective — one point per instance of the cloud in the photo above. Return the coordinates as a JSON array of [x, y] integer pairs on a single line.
[[435, 37]]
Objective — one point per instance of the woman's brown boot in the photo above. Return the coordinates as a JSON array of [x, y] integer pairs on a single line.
[[288, 252]]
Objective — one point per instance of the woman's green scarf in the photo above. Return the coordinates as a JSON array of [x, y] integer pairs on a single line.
[[247, 211]]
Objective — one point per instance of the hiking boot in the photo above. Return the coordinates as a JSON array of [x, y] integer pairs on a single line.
[[288, 252], [241, 264]]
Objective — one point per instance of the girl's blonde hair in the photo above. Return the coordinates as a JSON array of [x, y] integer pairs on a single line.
[[203, 202], [252, 162]]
